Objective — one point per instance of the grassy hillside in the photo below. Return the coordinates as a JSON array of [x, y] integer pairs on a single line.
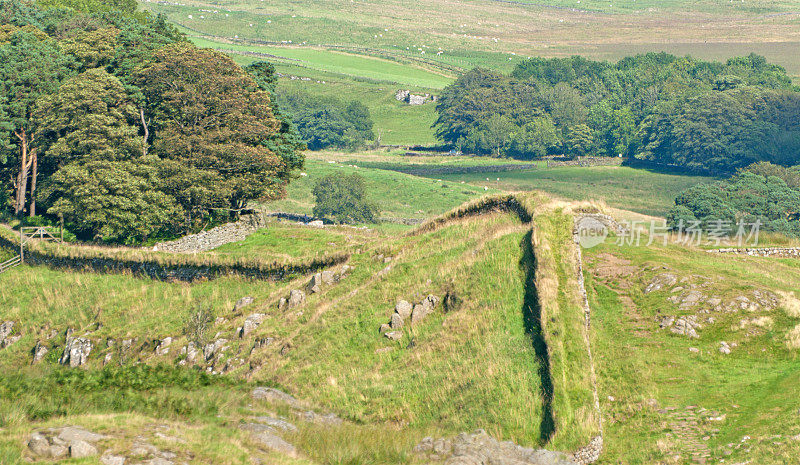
[[510, 356], [330, 351], [665, 394]]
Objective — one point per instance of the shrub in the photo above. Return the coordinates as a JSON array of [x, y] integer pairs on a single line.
[[197, 326], [343, 198]]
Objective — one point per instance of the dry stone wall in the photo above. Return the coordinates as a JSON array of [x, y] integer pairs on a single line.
[[215, 237], [777, 252]]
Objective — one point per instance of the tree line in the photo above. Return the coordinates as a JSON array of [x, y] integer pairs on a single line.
[[113, 121], [680, 111], [762, 193]]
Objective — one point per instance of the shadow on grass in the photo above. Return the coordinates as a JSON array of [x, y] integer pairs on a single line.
[[532, 319]]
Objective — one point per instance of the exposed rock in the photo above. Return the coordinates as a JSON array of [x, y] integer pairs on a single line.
[[394, 335], [112, 460], [163, 347], [76, 433], [420, 312], [319, 418], [274, 442], [250, 324], [403, 308], [296, 297], [276, 423], [329, 277], [692, 298], [143, 449], [39, 445], [660, 282], [78, 449], [724, 348], [6, 339], [191, 353], [315, 284], [5, 329], [316, 224], [214, 348], [242, 303], [76, 351], [39, 351], [397, 321], [274, 395], [686, 326], [385, 327], [431, 301], [479, 448], [158, 461]]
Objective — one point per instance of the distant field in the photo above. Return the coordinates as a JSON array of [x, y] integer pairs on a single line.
[[371, 48], [638, 190], [405, 196], [397, 195]]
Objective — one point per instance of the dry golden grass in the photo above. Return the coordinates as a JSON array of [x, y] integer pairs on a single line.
[[793, 338], [790, 304]]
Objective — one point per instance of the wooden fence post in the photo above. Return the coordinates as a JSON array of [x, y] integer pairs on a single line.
[[21, 246]]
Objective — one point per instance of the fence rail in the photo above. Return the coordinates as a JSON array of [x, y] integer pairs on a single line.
[[10, 263], [43, 233]]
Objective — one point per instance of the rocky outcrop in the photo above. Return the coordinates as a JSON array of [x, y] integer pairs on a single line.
[[6, 336], [68, 441], [39, 351], [407, 314], [76, 351], [163, 346], [250, 324], [479, 448]]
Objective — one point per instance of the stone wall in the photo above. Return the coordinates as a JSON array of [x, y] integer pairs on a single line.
[[777, 252], [444, 170], [160, 268], [586, 161], [215, 237]]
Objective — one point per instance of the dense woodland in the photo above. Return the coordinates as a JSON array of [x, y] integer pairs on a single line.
[[113, 121], [762, 193], [698, 115]]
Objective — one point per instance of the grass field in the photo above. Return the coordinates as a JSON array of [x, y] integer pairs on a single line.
[[397, 195], [638, 190], [406, 196], [486, 32], [370, 49]]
